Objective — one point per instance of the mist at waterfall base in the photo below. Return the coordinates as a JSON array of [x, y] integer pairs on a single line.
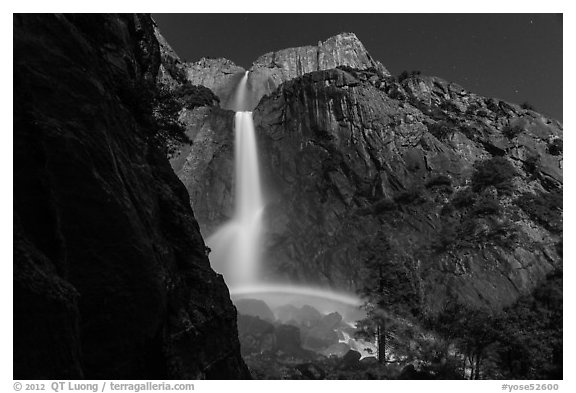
[[236, 247]]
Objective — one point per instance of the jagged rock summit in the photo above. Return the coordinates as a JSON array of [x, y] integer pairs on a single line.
[[274, 68], [344, 49], [269, 70]]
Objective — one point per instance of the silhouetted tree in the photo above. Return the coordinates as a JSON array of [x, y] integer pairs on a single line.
[[530, 334], [527, 105], [169, 131], [472, 330], [555, 147], [388, 287], [523, 341], [156, 108], [403, 76]]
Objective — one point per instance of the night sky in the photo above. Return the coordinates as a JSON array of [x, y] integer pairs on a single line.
[[514, 57]]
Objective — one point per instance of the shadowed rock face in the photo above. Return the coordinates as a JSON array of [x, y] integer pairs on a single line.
[[346, 153], [206, 167], [254, 307], [111, 279]]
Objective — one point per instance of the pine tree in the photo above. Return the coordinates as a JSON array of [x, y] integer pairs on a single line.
[[387, 288]]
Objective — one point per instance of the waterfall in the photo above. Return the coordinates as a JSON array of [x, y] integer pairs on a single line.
[[236, 245], [240, 102]]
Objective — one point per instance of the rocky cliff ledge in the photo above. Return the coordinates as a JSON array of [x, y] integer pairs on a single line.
[[111, 277]]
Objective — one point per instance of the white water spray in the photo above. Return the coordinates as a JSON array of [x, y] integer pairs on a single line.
[[236, 245]]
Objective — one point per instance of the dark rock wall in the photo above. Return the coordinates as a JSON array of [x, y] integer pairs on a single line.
[[111, 279]]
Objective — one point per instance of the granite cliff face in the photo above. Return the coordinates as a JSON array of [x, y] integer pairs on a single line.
[[460, 182], [348, 153], [344, 49], [210, 128], [272, 69], [206, 167], [219, 75], [111, 277]]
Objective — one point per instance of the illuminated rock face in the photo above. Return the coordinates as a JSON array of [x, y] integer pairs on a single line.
[[111, 277], [347, 150], [341, 50], [269, 70], [345, 153]]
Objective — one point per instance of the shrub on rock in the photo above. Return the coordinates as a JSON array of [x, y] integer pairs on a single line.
[[496, 171]]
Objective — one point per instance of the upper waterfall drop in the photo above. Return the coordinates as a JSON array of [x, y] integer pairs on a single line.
[[241, 94], [236, 246]]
